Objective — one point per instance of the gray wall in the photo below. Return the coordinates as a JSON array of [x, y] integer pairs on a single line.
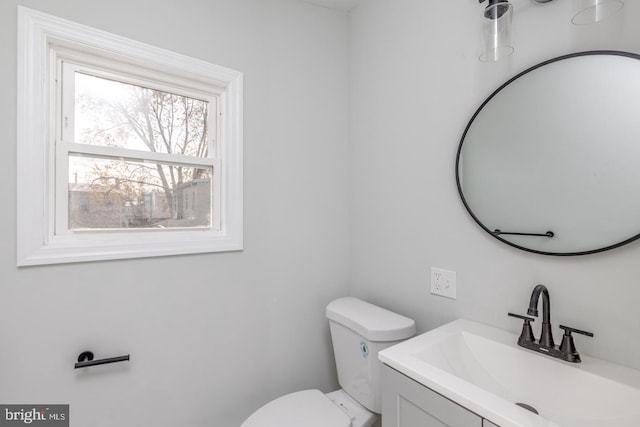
[[415, 82], [212, 336]]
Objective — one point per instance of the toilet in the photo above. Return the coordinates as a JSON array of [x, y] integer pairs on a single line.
[[359, 330]]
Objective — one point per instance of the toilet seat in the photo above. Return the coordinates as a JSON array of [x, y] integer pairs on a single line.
[[309, 408]]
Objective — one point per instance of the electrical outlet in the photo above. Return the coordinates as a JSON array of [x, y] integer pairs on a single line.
[[443, 282]]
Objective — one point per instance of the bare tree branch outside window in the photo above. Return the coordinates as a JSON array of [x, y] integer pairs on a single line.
[[120, 193]]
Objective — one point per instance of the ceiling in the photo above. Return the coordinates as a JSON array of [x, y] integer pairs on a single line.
[[335, 4]]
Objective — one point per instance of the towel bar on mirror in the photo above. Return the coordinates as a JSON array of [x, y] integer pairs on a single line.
[[511, 233]]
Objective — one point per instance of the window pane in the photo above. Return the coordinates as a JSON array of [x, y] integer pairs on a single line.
[[111, 113], [115, 193]]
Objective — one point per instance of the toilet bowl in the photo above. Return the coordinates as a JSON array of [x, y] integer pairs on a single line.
[[359, 330], [312, 408]]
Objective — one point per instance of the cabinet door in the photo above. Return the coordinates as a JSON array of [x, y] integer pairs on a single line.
[[407, 403]]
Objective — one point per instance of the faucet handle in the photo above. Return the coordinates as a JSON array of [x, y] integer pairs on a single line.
[[568, 330], [525, 318], [567, 347], [527, 332]]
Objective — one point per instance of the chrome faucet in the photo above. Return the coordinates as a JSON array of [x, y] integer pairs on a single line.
[[566, 350]]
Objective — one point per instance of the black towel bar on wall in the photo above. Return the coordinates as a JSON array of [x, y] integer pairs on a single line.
[[85, 359]]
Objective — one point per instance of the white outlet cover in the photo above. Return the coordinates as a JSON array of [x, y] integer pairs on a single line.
[[443, 282]]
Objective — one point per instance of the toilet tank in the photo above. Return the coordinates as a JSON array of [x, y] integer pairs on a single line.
[[360, 330]]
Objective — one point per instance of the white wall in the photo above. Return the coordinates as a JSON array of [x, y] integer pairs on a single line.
[[414, 83], [211, 336]]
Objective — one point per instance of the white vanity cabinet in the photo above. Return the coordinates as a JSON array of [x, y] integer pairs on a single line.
[[407, 403]]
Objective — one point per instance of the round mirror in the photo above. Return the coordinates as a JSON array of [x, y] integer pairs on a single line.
[[550, 162]]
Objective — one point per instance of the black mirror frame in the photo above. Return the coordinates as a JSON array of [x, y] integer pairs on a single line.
[[475, 114]]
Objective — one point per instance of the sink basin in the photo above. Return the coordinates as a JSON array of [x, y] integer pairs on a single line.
[[483, 369]]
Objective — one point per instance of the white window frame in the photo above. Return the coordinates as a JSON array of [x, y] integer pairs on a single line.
[[65, 145], [43, 42]]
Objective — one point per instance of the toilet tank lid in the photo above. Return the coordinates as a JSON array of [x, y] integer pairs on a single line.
[[372, 322]]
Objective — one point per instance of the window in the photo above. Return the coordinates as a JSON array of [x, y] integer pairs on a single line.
[[124, 140], [126, 151]]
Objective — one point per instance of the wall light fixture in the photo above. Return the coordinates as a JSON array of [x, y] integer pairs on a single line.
[[496, 30], [498, 14], [591, 11]]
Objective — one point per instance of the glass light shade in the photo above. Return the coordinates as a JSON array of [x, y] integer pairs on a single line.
[[496, 29], [592, 11]]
